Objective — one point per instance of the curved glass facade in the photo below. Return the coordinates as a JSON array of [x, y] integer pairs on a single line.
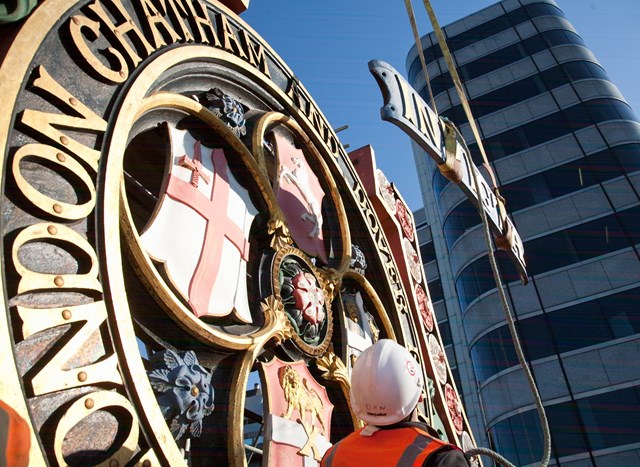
[[578, 243], [485, 30], [526, 88], [604, 319], [606, 420], [571, 176]]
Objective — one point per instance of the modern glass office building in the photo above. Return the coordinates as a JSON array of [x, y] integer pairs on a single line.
[[565, 147]]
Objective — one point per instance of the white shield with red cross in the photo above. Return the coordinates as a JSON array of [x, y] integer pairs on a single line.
[[298, 422], [200, 229], [300, 197]]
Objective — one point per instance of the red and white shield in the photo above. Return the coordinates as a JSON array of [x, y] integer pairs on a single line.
[[300, 197], [200, 230], [298, 422]]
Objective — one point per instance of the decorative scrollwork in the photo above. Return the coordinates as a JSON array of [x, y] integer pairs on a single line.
[[331, 280], [273, 310], [333, 368], [183, 389], [280, 232]]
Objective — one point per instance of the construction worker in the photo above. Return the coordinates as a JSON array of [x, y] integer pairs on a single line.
[[15, 438], [386, 386]]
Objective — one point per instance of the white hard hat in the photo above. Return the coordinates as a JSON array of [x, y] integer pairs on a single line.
[[386, 384]]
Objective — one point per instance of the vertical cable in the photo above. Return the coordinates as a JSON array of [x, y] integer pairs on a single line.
[[416, 37], [492, 260]]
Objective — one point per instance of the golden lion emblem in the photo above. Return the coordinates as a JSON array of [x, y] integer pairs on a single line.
[[300, 396]]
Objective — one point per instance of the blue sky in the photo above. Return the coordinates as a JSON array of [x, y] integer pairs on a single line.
[[328, 44]]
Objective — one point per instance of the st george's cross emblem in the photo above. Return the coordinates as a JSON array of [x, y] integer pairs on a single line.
[[300, 196], [200, 229]]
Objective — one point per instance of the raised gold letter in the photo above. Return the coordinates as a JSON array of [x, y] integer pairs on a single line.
[[229, 40], [75, 28], [45, 123], [256, 54], [52, 206], [125, 28], [154, 21]]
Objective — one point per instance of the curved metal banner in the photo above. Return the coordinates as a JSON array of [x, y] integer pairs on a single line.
[[404, 107]]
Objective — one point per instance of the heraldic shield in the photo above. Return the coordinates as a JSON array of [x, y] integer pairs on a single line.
[[300, 196], [200, 229], [298, 415]]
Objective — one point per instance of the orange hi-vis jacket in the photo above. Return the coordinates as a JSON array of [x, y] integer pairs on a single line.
[[403, 446], [15, 438]]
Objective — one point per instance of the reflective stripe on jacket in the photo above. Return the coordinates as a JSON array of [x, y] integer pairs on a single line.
[[405, 446]]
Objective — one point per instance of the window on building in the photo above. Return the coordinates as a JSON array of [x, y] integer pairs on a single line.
[[535, 335], [553, 126], [543, 9], [628, 155], [598, 422], [555, 182], [553, 251], [611, 419], [567, 434], [562, 36], [519, 438], [445, 333], [579, 326], [435, 290], [581, 70], [439, 183], [526, 88], [630, 220], [463, 217], [575, 327], [483, 31], [493, 353], [427, 252]]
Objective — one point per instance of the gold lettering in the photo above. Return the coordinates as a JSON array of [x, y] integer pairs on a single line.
[[64, 236], [126, 29], [407, 104], [45, 123], [229, 40], [427, 122], [317, 121], [178, 12], [488, 198], [322, 128], [155, 21], [332, 143], [255, 54], [296, 96], [201, 21], [76, 26], [518, 247], [53, 376], [87, 405], [52, 206], [306, 105]]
